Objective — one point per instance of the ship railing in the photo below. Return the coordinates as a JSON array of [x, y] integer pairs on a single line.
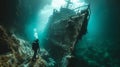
[[81, 8]]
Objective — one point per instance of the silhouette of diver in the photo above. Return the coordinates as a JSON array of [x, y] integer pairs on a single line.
[[35, 48]]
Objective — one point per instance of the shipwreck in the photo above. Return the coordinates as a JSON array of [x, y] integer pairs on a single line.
[[64, 29]]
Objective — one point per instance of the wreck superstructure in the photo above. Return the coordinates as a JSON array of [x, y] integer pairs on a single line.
[[64, 29]]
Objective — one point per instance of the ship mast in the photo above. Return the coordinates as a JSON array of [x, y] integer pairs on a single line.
[[68, 3]]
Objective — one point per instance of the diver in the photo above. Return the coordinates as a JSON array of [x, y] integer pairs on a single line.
[[35, 48]]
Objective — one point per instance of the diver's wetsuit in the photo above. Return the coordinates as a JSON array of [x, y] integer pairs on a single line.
[[35, 47]]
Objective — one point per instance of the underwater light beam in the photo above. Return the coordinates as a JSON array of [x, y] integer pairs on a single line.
[[47, 11]]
